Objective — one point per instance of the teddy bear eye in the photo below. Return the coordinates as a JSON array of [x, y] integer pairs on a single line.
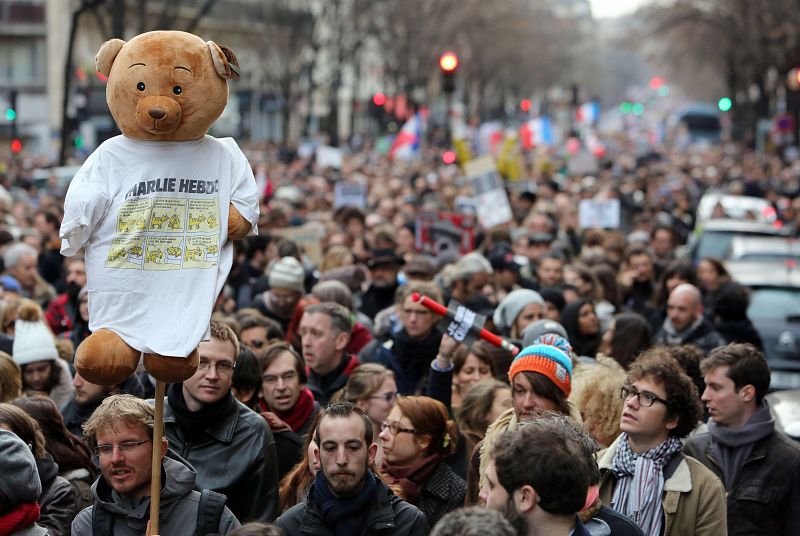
[[177, 90], [140, 86]]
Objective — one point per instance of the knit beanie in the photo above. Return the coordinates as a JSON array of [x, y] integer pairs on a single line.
[[33, 340], [548, 361], [20, 482], [513, 304], [287, 273]]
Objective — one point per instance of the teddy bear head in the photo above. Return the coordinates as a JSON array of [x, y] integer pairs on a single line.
[[166, 85]]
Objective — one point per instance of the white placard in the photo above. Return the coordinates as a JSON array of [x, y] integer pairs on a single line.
[[329, 157], [347, 194], [602, 214]]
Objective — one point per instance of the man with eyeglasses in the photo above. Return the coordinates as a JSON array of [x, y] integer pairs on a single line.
[[229, 445], [257, 331], [120, 432], [346, 498], [286, 402], [645, 475]]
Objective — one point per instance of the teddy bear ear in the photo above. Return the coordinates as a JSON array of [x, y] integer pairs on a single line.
[[225, 62], [105, 56]]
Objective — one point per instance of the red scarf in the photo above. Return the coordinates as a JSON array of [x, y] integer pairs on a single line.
[[410, 477], [23, 517], [299, 414]]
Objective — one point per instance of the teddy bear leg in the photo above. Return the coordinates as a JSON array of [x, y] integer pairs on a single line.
[[103, 358], [238, 226], [172, 369]]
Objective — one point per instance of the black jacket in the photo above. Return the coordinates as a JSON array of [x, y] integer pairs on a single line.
[[442, 493], [388, 516], [765, 496], [235, 457], [704, 336]]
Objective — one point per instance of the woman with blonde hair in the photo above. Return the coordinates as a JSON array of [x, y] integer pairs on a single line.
[[595, 394]]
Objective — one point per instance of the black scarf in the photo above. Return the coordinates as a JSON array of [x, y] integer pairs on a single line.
[[414, 357], [733, 446], [194, 423], [344, 515]]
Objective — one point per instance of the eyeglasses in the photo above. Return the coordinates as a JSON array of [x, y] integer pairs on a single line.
[[387, 397], [124, 447], [394, 429], [644, 398], [287, 378], [222, 367]]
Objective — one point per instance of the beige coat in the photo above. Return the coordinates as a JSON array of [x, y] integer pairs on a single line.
[[693, 501]]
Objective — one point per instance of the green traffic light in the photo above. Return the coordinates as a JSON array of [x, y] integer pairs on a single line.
[[663, 91], [11, 114], [79, 142], [725, 104], [638, 108], [625, 108]]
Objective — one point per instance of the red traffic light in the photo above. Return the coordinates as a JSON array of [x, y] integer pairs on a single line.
[[379, 99], [525, 105], [449, 157], [448, 62], [16, 146]]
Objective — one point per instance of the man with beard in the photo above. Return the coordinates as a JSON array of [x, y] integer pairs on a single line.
[[120, 433], [345, 497], [88, 396], [206, 425], [63, 310], [537, 477]]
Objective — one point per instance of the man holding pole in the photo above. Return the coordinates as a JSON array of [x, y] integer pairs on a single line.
[[120, 432]]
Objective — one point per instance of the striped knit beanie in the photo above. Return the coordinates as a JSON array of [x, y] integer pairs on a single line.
[[548, 361]]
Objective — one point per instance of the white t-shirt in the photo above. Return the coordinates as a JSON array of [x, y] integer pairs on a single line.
[[152, 217]]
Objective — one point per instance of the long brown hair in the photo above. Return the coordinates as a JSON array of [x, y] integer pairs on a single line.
[[475, 406], [297, 481], [25, 427], [10, 378], [67, 450]]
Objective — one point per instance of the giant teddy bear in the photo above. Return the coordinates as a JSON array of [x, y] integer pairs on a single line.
[[154, 208]]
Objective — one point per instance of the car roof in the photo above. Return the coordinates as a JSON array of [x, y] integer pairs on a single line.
[[764, 274], [765, 244], [740, 226]]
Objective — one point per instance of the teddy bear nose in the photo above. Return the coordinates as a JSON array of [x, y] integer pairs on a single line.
[[156, 113]]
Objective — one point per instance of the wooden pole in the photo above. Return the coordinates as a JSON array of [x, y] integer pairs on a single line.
[[155, 475]]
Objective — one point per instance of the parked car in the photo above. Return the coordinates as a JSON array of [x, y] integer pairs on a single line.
[[775, 313], [714, 238], [785, 408], [764, 249]]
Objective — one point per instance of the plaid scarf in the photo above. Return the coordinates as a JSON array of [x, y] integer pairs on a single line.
[[640, 482]]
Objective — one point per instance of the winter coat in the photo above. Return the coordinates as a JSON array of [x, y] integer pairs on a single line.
[[177, 513], [388, 515], [693, 500], [764, 498], [236, 457], [57, 501]]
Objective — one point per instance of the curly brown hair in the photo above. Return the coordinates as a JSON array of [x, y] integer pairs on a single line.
[[658, 365]]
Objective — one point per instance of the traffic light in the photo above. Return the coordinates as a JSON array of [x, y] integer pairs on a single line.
[[11, 111], [448, 64], [379, 99], [724, 104], [525, 105], [16, 146]]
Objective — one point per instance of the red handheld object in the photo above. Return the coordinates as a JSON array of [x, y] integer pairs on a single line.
[[484, 334]]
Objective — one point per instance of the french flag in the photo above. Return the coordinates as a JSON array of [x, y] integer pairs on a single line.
[[407, 142], [538, 131]]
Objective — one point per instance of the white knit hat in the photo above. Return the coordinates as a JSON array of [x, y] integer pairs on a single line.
[[287, 273], [33, 340]]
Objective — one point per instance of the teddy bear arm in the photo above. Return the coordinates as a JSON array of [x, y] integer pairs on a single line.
[[238, 226]]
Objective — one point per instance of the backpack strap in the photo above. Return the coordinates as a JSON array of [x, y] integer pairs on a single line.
[[102, 520], [209, 512]]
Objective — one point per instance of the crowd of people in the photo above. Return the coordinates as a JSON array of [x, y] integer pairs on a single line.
[[328, 400]]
